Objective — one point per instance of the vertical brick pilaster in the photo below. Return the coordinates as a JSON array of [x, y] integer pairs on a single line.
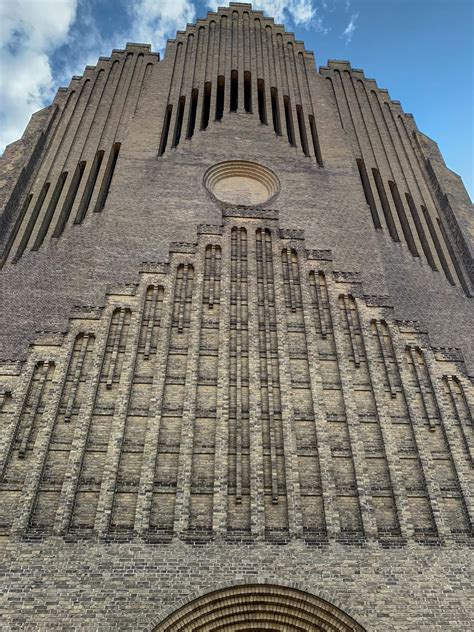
[[257, 491], [221, 458], [79, 443], [416, 415], [383, 415], [150, 451], [328, 488], [114, 448], [293, 492], [185, 463], [356, 444]]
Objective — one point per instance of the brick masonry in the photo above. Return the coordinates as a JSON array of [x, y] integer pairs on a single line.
[[195, 394]]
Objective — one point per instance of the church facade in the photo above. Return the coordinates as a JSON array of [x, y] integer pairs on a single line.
[[235, 349]]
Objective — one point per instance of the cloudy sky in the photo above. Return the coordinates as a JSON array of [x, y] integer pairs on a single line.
[[420, 50]]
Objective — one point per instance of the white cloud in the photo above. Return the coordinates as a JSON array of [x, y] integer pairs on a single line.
[[85, 43], [301, 12], [350, 28], [30, 30], [154, 21], [35, 32]]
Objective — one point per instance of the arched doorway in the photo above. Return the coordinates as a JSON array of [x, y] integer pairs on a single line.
[[250, 607]]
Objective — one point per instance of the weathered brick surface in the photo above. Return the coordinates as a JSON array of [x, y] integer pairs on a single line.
[[260, 398], [128, 586]]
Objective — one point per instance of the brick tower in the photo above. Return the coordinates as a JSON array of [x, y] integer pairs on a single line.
[[235, 348]]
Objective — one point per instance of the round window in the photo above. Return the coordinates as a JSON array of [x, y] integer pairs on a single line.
[[241, 183]]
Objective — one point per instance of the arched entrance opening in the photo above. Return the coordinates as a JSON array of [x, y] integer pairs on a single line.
[[250, 607]]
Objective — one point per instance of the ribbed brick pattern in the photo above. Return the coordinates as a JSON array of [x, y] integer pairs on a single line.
[[259, 607], [268, 424], [245, 391]]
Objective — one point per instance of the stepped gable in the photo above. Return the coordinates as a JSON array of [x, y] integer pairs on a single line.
[[65, 208], [235, 348], [245, 389]]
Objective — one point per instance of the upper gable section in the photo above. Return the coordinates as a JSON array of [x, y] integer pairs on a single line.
[[234, 25], [239, 61]]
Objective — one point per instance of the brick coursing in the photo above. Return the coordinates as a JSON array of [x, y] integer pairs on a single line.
[[195, 394]]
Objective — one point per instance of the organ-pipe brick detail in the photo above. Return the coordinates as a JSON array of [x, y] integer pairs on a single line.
[[290, 492], [235, 348]]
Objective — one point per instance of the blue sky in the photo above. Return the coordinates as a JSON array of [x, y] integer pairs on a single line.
[[422, 51]]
